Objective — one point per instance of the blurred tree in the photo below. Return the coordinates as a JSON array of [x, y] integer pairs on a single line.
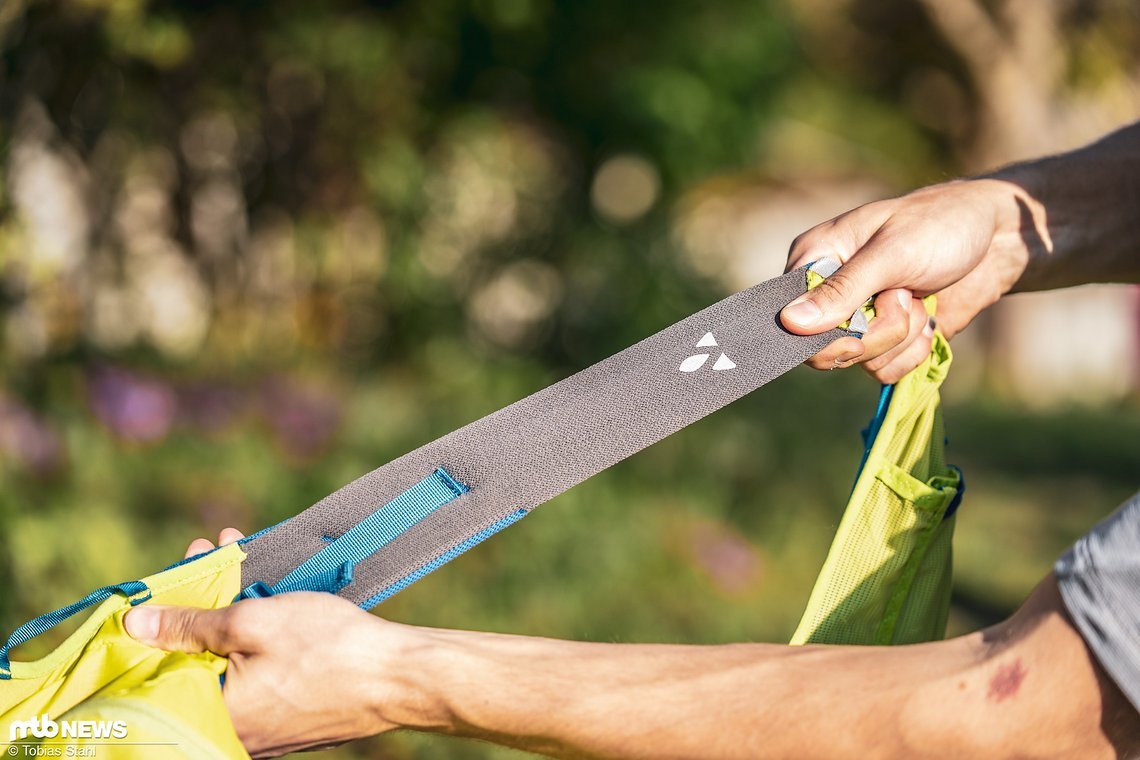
[[250, 250]]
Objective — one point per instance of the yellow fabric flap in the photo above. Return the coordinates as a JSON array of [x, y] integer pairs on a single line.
[[151, 703]]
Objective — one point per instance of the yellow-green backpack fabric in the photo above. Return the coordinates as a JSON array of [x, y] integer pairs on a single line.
[[101, 689], [886, 581], [887, 576]]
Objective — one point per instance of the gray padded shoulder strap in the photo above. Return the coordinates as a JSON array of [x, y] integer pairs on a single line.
[[529, 452]]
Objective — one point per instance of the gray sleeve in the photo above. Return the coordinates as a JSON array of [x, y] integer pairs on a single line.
[[1099, 578]]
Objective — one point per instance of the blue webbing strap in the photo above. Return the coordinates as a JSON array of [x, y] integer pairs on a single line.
[[136, 591], [871, 432], [331, 581], [444, 558], [330, 569]]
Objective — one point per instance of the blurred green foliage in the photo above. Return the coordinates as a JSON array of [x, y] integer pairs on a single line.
[[308, 237]]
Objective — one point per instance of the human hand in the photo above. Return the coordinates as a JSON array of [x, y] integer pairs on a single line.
[[306, 670], [962, 240]]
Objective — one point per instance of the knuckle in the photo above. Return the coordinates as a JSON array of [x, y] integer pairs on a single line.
[[230, 629], [897, 328], [902, 365], [809, 238], [834, 289], [890, 376], [894, 371], [821, 241], [227, 626], [799, 244], [235, 621], [918, 317], [889, 329], [174, 627], [878, 375], [917, 352], [875, 364], [803, 247]]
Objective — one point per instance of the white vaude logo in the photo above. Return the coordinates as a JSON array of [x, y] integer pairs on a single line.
[[696, 361], [43, 727]]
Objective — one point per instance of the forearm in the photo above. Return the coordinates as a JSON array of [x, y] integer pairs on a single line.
[[571, 699], [1025, 689], [1077, 214]]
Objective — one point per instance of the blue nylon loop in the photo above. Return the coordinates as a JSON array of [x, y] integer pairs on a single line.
[[255, 590], [326, 568], [136, 591], [331, 581], [444, 558]]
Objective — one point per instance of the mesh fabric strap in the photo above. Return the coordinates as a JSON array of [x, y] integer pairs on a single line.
[[515, 459]]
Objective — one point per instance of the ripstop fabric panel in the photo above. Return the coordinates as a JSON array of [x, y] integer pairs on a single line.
[[887, 576], [170, 702], [521, 456]]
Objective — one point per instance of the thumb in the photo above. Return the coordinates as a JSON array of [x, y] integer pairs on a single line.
[[181, 629], [833, 301]]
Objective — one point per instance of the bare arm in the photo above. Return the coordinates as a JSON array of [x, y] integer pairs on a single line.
[[1026, 688], [1059, 221], [1080, 213]]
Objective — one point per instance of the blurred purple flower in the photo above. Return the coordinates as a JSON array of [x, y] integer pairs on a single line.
[[211, 407], [303, 419], [731, 561], [29, 440], [135, 408]]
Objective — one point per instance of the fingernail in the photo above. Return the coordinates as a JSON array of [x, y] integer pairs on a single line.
[[904, 299], [142, 623], [804, 313], [928, 331], [847, 359]]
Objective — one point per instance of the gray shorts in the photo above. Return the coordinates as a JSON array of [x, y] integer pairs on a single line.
[[1099, 579]]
